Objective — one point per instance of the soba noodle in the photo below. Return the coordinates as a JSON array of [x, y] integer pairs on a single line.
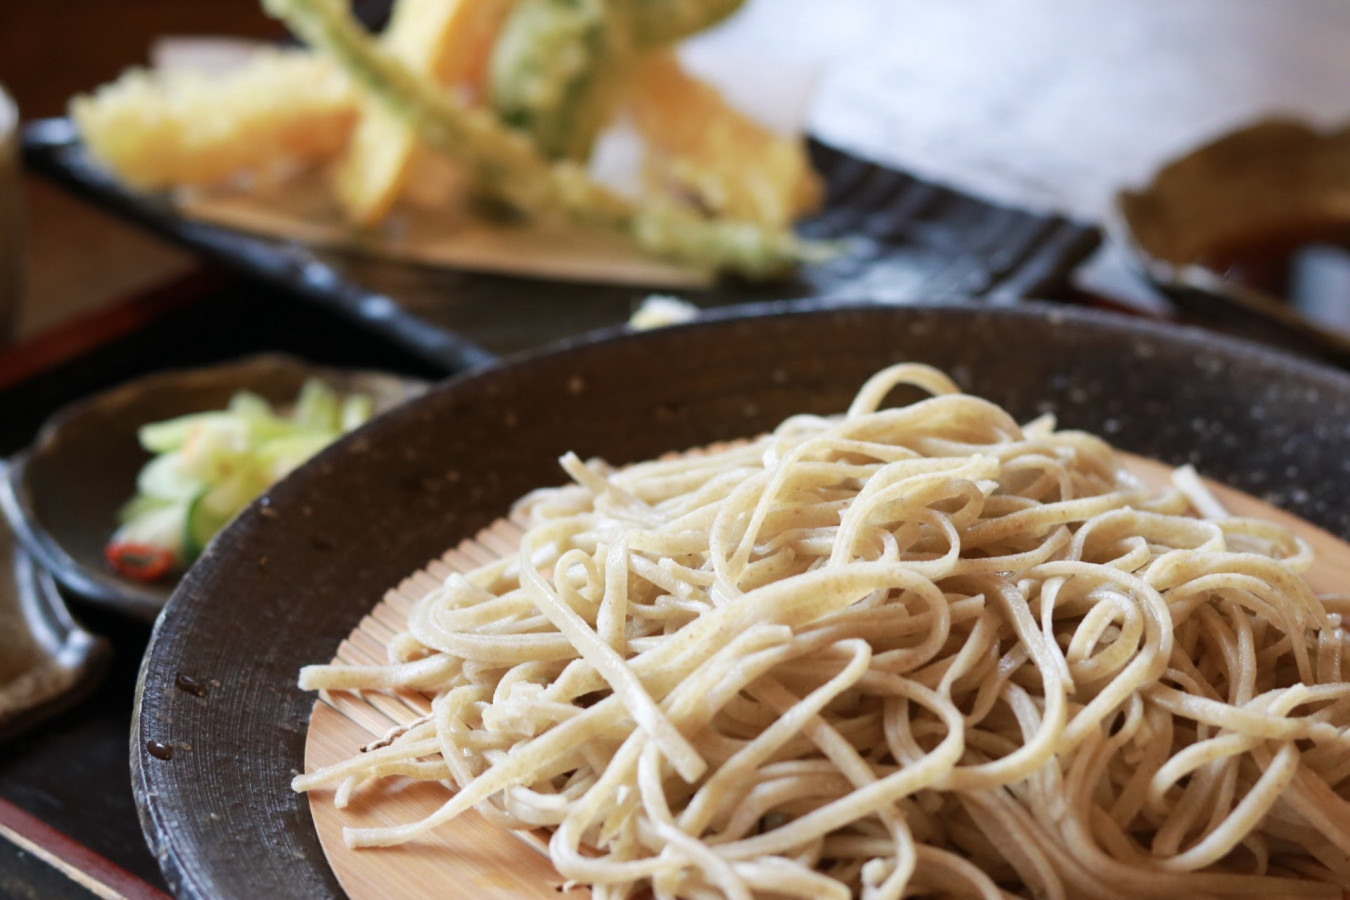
[[907, 651]]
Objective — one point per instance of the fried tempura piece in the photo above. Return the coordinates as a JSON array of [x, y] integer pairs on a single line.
[[506, 164], [464, 61], [160, 129], [448, 41], [699, 144], [556, 73], [658, 23], [546, 70], [560, 68]]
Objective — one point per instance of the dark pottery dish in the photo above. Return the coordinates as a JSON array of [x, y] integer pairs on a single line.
[[62, 494], [211, 766], [47, 662], [1243, 233], [905, 240]]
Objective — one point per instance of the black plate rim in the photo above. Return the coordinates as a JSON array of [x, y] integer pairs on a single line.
[[175, 848]]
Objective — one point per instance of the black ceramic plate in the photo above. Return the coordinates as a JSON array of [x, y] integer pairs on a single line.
[[62, 495], [220, 727], [907, 240]]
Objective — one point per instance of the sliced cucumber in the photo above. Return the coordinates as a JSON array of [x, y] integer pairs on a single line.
[[257, 414], [217, 448], [171, 434], [211, 465], [249, 405], [159, 527], [167, 477], [317, 407], [356, 411], [199, 526], [213, 509], [281, 457], [140, 505]]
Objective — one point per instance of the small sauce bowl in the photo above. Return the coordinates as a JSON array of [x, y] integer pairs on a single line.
[[1252, 232]]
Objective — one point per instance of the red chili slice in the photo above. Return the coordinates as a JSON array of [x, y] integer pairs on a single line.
[[143, 562]]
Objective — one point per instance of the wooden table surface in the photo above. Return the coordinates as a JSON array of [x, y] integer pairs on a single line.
[[79, 258]]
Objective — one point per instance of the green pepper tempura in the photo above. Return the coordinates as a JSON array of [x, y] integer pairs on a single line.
[[208, 466]]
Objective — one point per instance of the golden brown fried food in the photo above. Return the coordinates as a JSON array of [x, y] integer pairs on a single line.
[[560, 68], [701, 145], [409, 116], [660, 23], [507, 165], [160, 129], [447, 41], [557, 73]]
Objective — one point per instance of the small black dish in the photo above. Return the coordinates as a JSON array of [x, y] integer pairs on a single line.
[[62, 494], [1251, 234]]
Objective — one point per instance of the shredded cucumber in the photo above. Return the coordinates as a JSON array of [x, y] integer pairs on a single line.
[[208, 466], [317, 407], [217, 448], [140, 505], [356, 410], [161, 437], [161, 527], [283, 455], [212, 509], [167, 477]]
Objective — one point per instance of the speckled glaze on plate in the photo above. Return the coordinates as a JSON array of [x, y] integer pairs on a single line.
[[289, 579], [62, 495]]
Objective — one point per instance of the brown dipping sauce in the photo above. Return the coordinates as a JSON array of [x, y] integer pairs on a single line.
[[1307, 265]]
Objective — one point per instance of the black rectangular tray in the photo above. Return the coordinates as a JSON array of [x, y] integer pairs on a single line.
[[910, 240]]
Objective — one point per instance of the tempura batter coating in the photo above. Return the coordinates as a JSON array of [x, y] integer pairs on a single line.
[[552, 73], [170, 128], [447, 41], [700, 144], [507, 165], [659, 23]]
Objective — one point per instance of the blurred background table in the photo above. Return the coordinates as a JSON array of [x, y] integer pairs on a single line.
[[1043, 103], [80, 258], [1050, 104]]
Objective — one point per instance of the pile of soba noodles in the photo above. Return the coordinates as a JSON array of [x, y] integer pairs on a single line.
[[909, 651]]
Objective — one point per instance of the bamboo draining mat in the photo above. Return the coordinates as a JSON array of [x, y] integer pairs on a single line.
[[470, 858]]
